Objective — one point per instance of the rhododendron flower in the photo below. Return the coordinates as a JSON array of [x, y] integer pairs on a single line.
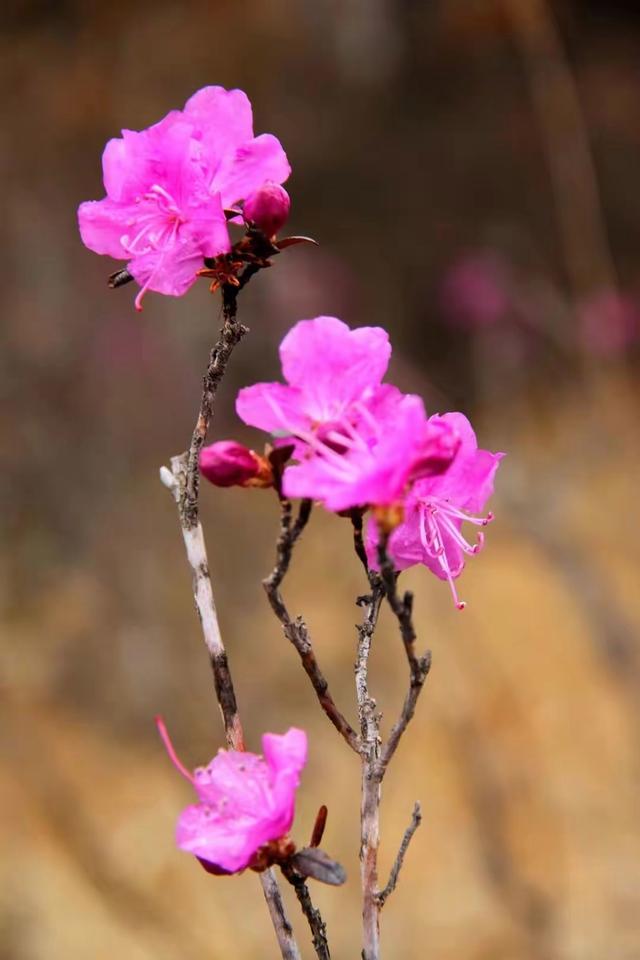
[[245, 801], [371, 461], [437, 506], [358, 441], [168, 186]]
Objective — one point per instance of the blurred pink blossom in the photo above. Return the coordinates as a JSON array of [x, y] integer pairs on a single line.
[[244, 800], [475, 290], [608, 323], [436, 508], [168, 186]]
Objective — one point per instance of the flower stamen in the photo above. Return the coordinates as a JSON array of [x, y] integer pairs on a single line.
[[173, 756]]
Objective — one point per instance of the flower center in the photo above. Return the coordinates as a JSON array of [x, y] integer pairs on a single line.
[[157, 222]]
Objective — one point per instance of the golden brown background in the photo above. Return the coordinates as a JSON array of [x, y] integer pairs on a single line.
[[417, 131]]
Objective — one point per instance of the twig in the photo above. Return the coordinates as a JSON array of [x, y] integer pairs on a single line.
[[358, 539], [230, 336], [296, 630], [376, 757], [283, 929], [371, 777], [416, 820], [182, 480], [314, 918], [419, 666], [175, 479]]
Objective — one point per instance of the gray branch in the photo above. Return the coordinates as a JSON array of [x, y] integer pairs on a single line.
[[295, 630], [416, 820], [314, 917]]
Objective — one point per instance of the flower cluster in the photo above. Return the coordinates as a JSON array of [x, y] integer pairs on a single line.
[[245, 803], [340, 435], [168, 188], [360, 443]]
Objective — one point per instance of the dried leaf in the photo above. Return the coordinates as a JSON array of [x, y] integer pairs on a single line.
[[315, 863]]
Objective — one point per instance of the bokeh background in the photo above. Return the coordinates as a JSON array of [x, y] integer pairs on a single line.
[[470, 170]]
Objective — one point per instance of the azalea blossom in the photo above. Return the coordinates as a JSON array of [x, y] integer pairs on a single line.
[[245, 801], [372, 460], [168, 188], [437, 506], [358, 442]]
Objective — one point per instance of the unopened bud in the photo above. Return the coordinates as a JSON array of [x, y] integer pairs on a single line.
[[229, 464], [268, 208]]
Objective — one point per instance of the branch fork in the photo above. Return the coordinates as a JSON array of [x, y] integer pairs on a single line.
[[375, 755]]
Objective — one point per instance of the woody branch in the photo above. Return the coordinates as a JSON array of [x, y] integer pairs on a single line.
[[183, 481]]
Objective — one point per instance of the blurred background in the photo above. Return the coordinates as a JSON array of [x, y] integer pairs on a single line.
[[470, 170]]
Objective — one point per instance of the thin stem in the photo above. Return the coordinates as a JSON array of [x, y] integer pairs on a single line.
[[419, 666], [371, 777], [182, 480], [358, 539], [230, 336], [314, 918], [295, 630], [416, 820], [283, 929], [194, 542]]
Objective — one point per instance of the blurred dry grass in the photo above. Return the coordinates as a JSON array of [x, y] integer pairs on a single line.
[[524, 752]]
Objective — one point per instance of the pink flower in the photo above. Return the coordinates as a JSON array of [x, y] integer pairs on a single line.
[[268, 208], [436, 508], [372, 460], [229, 464], [609, 323], [358, 442], [245, 801], [168, 186]]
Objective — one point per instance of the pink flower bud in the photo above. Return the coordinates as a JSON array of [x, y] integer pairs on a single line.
[[268, 208], [229, 464]]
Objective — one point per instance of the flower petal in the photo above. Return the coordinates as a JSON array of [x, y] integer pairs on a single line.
[[170, 271], [468, 482], [273, 407], [103, 223], [222, 120], [138, 159], [244, 171], [285, 752], [332, 364], [229, 843]]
